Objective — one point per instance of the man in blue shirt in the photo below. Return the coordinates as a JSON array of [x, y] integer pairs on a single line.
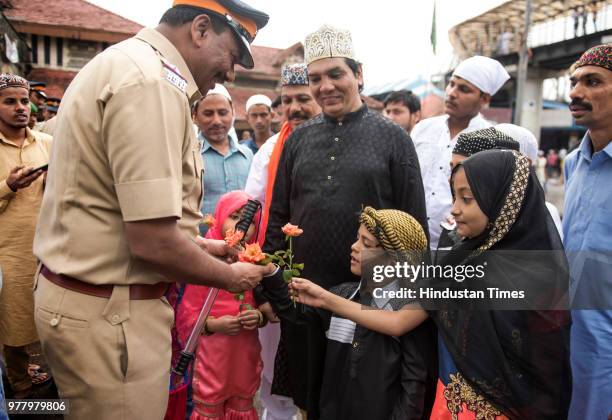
[[226, 163], [587, 227]]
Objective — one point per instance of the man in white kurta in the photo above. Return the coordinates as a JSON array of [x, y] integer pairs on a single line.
[[470, 89]]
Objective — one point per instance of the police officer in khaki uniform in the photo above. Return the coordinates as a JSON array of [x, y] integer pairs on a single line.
[[121, 209]]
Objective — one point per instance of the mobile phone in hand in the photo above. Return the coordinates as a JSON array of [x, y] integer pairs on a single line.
[[45, 167]]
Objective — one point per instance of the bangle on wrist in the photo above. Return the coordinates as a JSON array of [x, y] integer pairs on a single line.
[[261, 318]]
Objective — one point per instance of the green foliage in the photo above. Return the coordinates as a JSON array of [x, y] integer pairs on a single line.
[[287, 275]]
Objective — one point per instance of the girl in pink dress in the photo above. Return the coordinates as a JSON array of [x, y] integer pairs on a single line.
[[227, 366]]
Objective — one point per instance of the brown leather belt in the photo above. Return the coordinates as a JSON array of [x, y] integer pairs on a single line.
[[137, 291]]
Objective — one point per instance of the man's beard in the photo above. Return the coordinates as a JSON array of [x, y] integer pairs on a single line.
[[19, 124]]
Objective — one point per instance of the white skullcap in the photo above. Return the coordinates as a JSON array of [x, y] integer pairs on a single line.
[[220, 90], [527, 141], [486, 74], [258, 100]]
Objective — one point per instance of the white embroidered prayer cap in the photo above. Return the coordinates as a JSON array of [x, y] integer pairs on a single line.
[[328, 42]]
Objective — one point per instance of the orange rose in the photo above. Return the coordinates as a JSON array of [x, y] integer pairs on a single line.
[[209, 221], [292, 230], [251, 254], [233, 238]]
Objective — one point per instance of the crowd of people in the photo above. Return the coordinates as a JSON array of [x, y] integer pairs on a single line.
[[109, 252]]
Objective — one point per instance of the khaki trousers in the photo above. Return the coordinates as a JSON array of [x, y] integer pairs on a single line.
[[109, 357]]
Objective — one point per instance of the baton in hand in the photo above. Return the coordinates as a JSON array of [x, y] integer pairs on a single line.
[[188, 353]]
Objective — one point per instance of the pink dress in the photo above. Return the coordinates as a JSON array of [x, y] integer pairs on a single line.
[[227, 369]]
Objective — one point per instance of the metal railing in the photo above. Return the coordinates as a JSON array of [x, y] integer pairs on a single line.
[[573, 25]]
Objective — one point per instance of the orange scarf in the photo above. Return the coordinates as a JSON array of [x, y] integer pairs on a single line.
[[272, 168]]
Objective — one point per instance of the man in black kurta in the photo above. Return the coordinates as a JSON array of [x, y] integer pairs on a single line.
[[333, 166]]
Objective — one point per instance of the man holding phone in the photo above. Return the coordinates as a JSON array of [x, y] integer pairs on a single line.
[[22, 151]]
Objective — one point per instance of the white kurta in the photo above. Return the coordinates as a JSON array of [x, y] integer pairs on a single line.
[[434, 147], [257, 180]]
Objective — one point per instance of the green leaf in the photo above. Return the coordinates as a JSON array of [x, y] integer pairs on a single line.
[[280, 253], [295, 272], [265, 261], [299, 266], [239, 296], [287, 276]]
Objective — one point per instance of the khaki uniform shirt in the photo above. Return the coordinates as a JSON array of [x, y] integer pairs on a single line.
[[125, 151], [18, 214]]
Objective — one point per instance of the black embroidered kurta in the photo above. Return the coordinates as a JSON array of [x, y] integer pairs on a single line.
[[328, 172]]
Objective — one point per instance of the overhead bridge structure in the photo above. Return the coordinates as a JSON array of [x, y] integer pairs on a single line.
[[560, 31]]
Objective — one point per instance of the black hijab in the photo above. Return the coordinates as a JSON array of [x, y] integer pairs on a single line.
[[517, 360]]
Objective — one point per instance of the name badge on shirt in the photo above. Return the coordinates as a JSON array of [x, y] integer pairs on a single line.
[[175, 80]]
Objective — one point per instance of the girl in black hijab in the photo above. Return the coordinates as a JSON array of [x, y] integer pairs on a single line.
[[512, 363]]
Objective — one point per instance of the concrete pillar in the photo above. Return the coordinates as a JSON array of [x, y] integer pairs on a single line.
[[532, 106]]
